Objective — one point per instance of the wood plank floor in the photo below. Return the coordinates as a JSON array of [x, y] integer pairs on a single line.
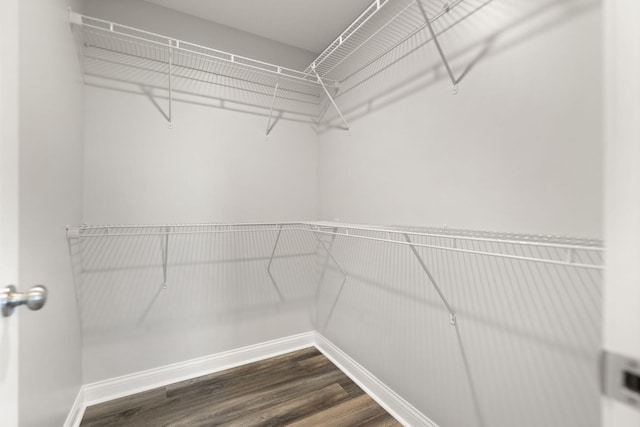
[[299, 389]]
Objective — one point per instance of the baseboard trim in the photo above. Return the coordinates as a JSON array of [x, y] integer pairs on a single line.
[[77, 410], [102, 391], [399, 408]]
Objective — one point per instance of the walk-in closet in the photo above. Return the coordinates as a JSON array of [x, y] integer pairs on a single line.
[[320, 213]]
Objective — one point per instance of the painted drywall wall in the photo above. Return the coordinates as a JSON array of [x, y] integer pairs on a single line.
[[622, 281], [218, 295], [50, 174], [518, 149], [525, 347], [160, 20], [213, 164]]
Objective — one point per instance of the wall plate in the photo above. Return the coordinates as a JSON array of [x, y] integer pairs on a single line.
[[621, 378]]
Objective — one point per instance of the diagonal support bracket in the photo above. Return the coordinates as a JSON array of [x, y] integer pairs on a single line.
[[273, 252], [325, 108], [273, 103], [335, 302], [452, 315], [165, 257], [434, 36], [170, 87], [326, 91]]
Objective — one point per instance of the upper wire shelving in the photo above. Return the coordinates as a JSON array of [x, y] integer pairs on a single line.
[[384, 25], [123, 53], [128, 54]]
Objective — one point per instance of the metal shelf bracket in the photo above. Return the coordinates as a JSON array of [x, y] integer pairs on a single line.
[[165, 255], [273, 252], [434, 36], [344, 280], [170, 87], [452, 315], [326, 91], [273, 103]]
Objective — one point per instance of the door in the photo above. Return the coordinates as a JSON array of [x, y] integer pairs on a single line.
[[622, 210], [9, 206], [40, 192]]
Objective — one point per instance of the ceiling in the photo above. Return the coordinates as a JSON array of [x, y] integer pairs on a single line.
[[308, 24]]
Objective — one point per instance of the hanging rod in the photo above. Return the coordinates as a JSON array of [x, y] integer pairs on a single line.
[[569, 249]]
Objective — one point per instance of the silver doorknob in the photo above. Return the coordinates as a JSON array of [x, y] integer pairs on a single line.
[[34, 298]]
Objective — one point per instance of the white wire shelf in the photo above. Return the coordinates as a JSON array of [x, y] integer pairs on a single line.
[[556, 250], [123, 53], [127, 54], [383, 26]]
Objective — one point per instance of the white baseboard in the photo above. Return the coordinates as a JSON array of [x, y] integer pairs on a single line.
[[77, 410], [102, 391], [401, 410]]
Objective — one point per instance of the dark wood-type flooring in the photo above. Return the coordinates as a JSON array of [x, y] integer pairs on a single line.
[[298, 389]]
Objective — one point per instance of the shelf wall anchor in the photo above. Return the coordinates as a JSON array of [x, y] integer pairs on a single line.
[[452, 314]]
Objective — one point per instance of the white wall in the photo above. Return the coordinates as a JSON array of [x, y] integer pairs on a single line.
[[50, 173], [518, 149], [160, 20], [525, 349], [213, 165], [218, 296], [622, 286]]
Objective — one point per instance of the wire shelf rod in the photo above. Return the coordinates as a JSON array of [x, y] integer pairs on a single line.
[[569, 261], [163, 233], [319, 226], [204, 224], [468, 251], [458, 237]]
